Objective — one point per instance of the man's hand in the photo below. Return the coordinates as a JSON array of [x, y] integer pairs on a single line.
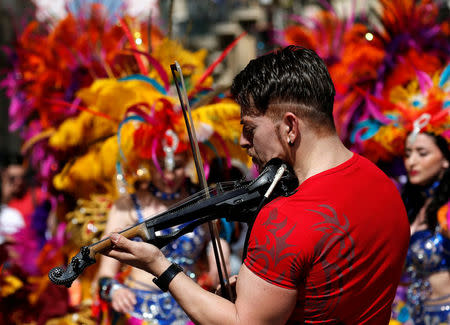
[[123, 300], [232, 282], [141, 255], [213, 273]]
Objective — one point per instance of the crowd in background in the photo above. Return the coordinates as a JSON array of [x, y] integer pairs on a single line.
[[104, 147]]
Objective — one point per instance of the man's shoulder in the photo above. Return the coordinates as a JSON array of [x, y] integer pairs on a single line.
[[294, 208], [371, 168], [361, 171], [379, 180]]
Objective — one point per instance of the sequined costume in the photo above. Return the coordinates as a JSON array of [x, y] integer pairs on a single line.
[[428, 253], [154, 306]]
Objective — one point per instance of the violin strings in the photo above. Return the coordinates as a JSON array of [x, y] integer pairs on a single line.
[[212, 191], [200, 195]]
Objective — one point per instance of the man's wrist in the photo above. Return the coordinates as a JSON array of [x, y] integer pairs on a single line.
[[159, 265], [167, 276]]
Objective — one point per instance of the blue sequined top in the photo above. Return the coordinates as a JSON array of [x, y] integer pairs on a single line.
[[184, 250], [429, 253]]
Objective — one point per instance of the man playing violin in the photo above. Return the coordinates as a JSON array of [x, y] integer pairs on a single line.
[[332, 252]]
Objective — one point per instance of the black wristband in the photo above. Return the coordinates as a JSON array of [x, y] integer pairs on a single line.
[[164, 279]]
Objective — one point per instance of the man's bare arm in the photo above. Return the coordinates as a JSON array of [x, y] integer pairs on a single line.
[[258, 301]]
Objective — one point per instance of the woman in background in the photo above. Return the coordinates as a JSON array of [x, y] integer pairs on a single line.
[[11, 220], [426, 197], [136, 295]]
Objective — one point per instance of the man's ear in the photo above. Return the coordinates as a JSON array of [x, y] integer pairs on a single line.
[[290, 128]]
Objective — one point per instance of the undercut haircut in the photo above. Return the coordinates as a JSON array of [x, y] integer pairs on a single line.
[[293, 79]]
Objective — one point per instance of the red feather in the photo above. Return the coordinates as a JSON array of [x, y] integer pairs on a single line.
[[222, 56]]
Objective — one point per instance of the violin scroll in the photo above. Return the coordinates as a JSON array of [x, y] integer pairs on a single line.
[[79, 262]]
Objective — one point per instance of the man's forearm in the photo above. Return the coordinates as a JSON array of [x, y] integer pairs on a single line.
[[202, 306]]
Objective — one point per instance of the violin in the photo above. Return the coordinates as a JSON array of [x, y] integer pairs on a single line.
[[235, 201]]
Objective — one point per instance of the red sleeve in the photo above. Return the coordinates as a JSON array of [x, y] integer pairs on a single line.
[[278, 251]]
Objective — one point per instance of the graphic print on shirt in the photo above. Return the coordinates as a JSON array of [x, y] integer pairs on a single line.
[[274, 250], [335, 260]]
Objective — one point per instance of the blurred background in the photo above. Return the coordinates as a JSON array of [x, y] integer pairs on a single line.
[[209, 24], [79, 80]]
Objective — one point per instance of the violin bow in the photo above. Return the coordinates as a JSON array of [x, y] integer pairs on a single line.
[[217, 247]]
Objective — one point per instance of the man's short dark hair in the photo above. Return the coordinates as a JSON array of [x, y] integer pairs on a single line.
[[295, 78]]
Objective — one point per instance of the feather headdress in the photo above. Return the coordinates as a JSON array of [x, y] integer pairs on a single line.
[[409, 110], [368, 60]]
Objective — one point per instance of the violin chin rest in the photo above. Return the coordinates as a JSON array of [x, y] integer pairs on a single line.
[[287, 184]]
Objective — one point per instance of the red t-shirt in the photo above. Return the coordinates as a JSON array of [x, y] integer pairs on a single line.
[[340, 241]]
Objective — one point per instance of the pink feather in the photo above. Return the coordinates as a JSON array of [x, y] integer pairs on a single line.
[[425, 81]]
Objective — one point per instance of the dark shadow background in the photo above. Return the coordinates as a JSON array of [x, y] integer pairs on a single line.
[[14, 14]]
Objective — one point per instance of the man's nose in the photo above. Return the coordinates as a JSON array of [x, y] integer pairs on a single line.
[[243, 142]]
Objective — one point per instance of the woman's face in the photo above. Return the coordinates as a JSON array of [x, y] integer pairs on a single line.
[[170, 181], [424, 160]]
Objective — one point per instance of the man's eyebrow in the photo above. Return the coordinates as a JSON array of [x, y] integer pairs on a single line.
[[244, 121]]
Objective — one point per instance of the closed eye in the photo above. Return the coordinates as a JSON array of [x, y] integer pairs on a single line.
[[248, 132]]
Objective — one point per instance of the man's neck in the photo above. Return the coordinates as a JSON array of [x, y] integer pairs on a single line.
[[318, 154]]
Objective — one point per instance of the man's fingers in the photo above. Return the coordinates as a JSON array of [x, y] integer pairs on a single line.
[[118, 254], [122, 243], [123, 250], [106, 235]]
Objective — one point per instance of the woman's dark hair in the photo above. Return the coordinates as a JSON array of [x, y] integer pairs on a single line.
[[413, 195], [293, 75]]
